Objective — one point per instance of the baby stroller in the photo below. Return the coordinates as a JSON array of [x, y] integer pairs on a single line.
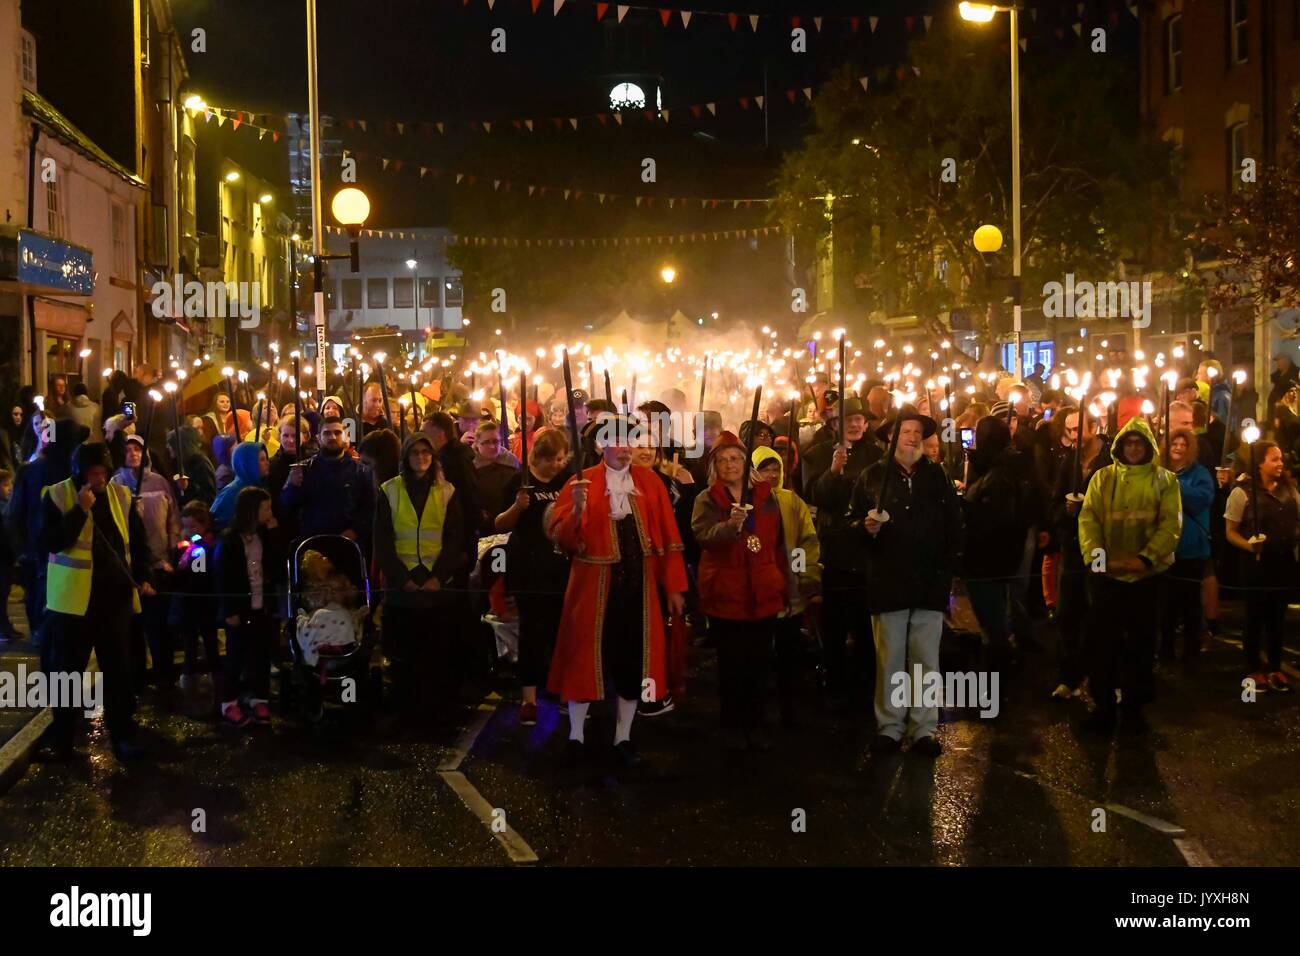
[[334, 673]]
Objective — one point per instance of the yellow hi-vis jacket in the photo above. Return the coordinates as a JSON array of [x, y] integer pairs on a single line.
[[418, 538], [69, 572]]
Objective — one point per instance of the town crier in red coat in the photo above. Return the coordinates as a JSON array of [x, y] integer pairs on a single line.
[[618, 526]]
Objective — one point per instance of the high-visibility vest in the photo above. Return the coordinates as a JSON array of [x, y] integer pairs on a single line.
[[418, 538], [68, 573]]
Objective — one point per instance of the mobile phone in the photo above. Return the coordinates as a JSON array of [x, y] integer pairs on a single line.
[[128, 409], [967, 437], [1047, 414]]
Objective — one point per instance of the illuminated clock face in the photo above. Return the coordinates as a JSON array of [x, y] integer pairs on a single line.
[[627, 96]]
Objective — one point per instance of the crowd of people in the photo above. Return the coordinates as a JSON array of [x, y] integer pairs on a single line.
[[832, 558]]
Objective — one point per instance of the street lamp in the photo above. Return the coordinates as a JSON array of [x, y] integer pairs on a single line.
[[983, 13], [668, 274], [411, 264]]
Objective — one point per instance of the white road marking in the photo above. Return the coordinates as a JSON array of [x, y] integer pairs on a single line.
[[514, 844], [1155, 823], [1194, 853]]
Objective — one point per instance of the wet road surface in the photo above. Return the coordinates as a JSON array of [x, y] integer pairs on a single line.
[[1021, 789]]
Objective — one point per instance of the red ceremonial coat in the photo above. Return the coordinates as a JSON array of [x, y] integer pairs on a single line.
[[576, 673]]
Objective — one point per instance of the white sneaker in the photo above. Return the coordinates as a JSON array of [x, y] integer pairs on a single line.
[[1062, 692]]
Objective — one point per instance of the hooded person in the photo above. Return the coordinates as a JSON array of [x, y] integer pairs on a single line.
[[222, 448], [618, 526], [419, 551], [805, 561], [98, 568], [200, 475], [1129, 527], [250, 464], [162, 525], [83, 408]]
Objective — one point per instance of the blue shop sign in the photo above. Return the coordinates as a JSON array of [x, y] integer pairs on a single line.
[[54, 265]]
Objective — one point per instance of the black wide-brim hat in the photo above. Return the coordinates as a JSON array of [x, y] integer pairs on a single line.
[[908, 413]]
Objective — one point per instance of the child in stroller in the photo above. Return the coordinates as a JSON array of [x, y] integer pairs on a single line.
[[329, 622]]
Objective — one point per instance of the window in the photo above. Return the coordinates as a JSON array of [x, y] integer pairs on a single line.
[[351, 293], [1174, 53], [1238, 30], [377, 293], [56, 225], [455, 292], [121, 261], [29, 60], [403, 293], [429, 288], [1236, 153]]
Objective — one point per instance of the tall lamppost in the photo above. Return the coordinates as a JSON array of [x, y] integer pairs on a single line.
[[983, 13], [351, 207], [412, 264]]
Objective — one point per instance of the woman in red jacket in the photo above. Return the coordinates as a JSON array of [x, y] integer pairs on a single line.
[[744, 583]]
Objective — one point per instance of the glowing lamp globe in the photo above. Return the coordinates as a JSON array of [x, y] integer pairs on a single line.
[[350, 206], [988, 239]]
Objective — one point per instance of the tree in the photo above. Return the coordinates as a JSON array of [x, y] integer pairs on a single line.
[[1092, 181], [1251, 237]]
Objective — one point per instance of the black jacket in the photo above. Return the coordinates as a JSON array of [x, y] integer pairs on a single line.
[[52, 465], [912, 560], [994, 511], [831, 494], [457, 462], [336, 495], [1066, 525], [233, 595]]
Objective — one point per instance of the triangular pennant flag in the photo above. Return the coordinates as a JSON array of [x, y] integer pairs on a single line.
[[618, 118], [221, 120], [712, 108], [566, 193], [865, 81], [1080, 8], [664, 15], [362, 124], [695, 111], [671, 202], [260, 134], [472, 179], [423, 171], [744, 102], [558, 4], [909, 22], [735, 204], [791, 94], [600, 10], [807, 92], [275, 136], [459, 177], [686, 19], [759, 101], [536, 4], [397, 166], [491, 4], [927, 20], [601, 196], [795, 21], [732, 20], [916, 70], [1133, 7], [442, 127], [665, 113], [873, 22], [1033, 14], [638, 200], [602, 119], [573, 121], [473, 125], [401, 129], [234, 123], [487, 127], [530, 190], [528, 124], [854, 22], [1024, 44], [753, 22], [385, 164], [207, 116], [496, 184], [622, 12], [1078, 29]]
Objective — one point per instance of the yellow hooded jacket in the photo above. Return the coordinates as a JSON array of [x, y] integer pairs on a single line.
[[797, 525]]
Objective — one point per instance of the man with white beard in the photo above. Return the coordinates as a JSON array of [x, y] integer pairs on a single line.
[[912, 551]]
